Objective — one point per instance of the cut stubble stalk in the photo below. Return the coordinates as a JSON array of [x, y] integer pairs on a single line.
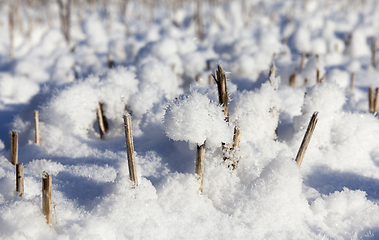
[[307, 138]]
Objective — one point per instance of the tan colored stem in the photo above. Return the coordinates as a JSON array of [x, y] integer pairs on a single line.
[[307, 138], [210, 80], [376, 101], [322, 78], [46, 197], [200, 159], [36, 127], [20, 179], [102, 121], [371, 99], [222, 91], [292, 81], [272, 71], [237, 137], [130, 150], [197, 77], [14, 147]]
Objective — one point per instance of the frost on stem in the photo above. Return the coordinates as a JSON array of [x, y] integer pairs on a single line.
[[220, 79], [271, 77], [272, 73], [274, 84], [193, 118]]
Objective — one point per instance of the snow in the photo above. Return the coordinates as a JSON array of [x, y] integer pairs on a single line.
[[157, 56], [194, 118]]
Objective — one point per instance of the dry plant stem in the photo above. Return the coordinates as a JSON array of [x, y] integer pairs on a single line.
[[11, 30], [200, 157], [36, 127], [105, 122], [18, 19], [222, 91], [198, 78], [322, 78], [64, 12], [272, 109], [46, 197], [130, 150], [371, 99], [373, 51], [285, 41], [210, 80], [306, 139], [130, 112], [199, 19], [20, 179], [336, 49], [110, 60], [14, 147], [348, 40], [352, 79], [237, 137], [209, 65], [303, 55], [376, 101], [102, 121], [220, 79], [272, 71], [292, 81], [318, 76]]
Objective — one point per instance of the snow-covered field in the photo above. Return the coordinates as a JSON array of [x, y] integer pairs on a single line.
[[159, 49]]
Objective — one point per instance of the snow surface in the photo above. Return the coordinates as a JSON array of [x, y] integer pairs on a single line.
[[157, 56]]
